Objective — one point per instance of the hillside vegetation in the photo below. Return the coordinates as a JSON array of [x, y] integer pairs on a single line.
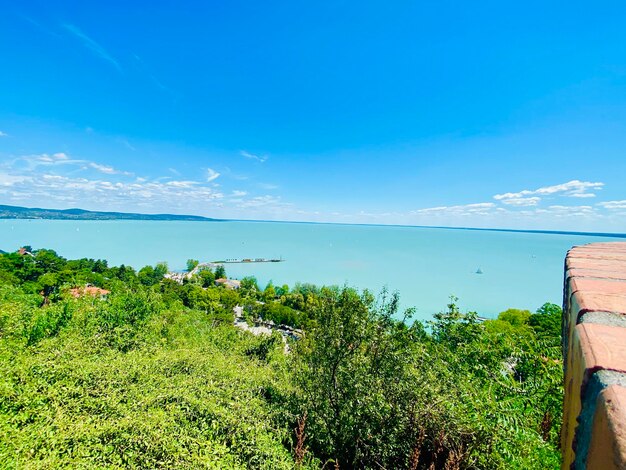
[[149, 373], [18, 212]]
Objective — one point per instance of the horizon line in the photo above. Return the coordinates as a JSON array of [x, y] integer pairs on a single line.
[[486, 229], [209, 219]]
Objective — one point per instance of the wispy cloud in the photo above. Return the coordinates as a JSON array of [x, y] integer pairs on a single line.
[[267, 186], [251, 156], [10, 180], [530, 204], [61, 188], [613, 205], [522, 201], [43, 159], [39, 26], [544, 207], [3, 134], [574, 188], [141, 65], [465, 209], [264, 202], [93, 46], [108, 170], [568, 211], [182, 184], [51, 180], [211, 174], [125, 143], [60, 159]]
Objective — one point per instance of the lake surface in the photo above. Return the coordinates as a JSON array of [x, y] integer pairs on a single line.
[[426, 265]]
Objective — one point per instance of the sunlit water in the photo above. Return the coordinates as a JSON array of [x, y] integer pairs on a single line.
[[426, 265]]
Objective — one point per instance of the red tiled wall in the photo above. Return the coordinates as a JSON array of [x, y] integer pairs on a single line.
[[594, 347]]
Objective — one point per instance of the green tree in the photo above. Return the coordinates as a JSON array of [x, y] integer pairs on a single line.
[[281, 314], [269, 293], [515, 317], [150, 276], [191, 264], [100, 266], [161, 269], [204, 299], [282, 290], [147, 276], [229, 298], [454, 328], [248, 287], [206, 278], [352, 368], [547, 321], [220, 272], [49, 283], [48, 260]]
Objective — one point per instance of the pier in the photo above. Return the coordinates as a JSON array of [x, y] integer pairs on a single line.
[[249, 260], [214, 264]]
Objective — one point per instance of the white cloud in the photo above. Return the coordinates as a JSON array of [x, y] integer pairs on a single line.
[[267, 186], [182, 184], [46, 159], [61, 158], [57, 180], [574, 188], [211, 174], [252, 156], [57, 188], [265, 202], [10, 180], [613, 205], [108, 170], [481, 208], [582, 195], [3, 134], [570, 211], [522, 201], [570, 208]]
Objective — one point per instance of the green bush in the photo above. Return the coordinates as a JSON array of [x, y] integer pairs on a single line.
[[47, 322], [155, 375]]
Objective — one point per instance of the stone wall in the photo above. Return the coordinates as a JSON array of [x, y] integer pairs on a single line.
[[594, 351]]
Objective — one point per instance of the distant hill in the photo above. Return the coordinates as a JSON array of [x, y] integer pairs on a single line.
[[16, 212]]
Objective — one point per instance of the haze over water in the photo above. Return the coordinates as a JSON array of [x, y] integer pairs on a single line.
[[426, 265]]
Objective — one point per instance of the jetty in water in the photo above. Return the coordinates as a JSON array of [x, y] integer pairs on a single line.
[[214, 264], [249, 260]]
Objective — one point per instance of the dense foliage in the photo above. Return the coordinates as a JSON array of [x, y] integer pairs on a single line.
[[149, 372]]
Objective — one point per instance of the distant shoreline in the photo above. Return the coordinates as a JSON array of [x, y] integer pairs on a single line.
[[35, 213], [26, 213]]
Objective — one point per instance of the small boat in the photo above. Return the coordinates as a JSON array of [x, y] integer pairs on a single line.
[[479, 271]]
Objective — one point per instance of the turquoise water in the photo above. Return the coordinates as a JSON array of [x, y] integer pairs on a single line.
[[426, 265]]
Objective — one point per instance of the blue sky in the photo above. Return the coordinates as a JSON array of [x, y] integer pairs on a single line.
[[489, 114]]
